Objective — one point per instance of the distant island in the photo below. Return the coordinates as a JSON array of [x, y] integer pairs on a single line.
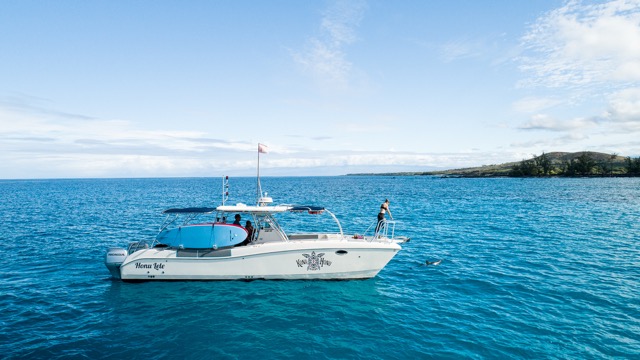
[[553, 164]]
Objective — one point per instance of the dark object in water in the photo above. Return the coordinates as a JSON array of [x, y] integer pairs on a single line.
[[434, 263]]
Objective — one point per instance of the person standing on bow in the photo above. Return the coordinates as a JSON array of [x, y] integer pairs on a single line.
[[384, 208]]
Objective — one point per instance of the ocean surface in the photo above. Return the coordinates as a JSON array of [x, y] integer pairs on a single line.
[[531, 268]]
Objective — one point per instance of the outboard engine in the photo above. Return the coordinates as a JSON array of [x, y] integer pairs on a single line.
[[115, 257]]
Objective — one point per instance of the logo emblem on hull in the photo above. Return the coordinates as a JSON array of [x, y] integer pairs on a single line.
[[314, 262]]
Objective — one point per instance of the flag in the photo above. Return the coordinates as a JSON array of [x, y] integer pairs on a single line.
[[262, 148]]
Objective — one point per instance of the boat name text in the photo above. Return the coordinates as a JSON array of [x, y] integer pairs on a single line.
[[155, 266]]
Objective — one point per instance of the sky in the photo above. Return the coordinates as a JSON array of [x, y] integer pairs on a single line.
[[108, 89]]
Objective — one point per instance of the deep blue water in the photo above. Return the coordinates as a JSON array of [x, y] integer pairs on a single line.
[[532, 268]]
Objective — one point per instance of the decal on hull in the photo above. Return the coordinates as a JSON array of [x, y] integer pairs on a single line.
[[314, 262]]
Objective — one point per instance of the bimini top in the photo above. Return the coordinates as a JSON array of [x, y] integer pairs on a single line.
[[190, 210], [243, 208], [310, 208], [270, 209]]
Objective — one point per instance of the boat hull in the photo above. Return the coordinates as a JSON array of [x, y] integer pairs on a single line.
[[332, 260]]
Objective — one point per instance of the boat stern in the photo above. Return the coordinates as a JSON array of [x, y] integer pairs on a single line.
[[114, 258]]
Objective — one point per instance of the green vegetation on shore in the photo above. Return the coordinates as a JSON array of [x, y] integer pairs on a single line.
[[554, 164]]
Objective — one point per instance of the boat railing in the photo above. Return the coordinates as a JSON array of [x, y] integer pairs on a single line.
[[384, 230], [337, 222], [137, 245]]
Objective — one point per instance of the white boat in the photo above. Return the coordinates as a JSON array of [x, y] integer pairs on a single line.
[[213, 249], [193, 252]]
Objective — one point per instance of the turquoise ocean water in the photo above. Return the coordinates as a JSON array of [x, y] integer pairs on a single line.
[[532, 268]]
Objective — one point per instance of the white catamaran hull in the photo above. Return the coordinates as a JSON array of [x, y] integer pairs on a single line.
[[334, 259]]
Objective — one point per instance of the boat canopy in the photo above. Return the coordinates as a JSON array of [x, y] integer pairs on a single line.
[[190, 210], [242, 208], [310, 208]]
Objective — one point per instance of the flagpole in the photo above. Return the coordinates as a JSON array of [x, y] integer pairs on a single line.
[[263, 199], [258, 190]]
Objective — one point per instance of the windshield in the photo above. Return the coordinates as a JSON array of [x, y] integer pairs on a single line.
[[304, 222]]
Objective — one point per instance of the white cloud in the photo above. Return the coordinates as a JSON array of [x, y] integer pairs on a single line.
[[615, 130], [624, 106], [534, 104], [354, 159], [325, 56], [546, 122], [568, 142], [327, 63], [34, 140], [340, 20], [34, 145], [588, 54], [579, 45]]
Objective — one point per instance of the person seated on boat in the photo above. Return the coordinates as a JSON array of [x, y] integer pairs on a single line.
[[384, 208], [250, 232], [237, 221]]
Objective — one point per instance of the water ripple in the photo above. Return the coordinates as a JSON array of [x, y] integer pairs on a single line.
[[533, 268]]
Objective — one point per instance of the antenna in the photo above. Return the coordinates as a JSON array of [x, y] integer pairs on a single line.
[[225, 189]]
